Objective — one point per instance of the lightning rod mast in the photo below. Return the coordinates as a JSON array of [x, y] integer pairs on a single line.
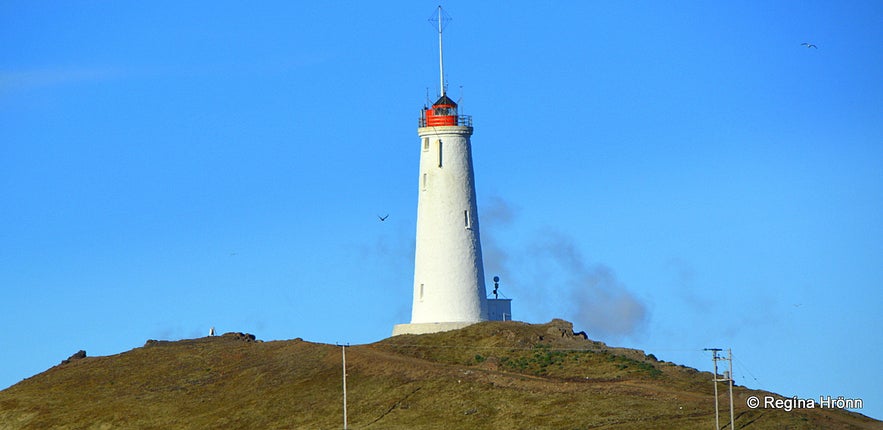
[[441, 62]]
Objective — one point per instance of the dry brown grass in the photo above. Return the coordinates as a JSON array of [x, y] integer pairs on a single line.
[[495, 375]]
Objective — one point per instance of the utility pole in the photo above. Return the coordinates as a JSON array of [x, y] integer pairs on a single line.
[[730, 377], [727, 378], [717, 421], [343, 354]]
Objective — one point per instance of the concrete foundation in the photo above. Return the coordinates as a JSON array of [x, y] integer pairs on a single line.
[[424, 328]]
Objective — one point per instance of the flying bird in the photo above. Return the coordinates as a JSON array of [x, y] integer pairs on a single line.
[[383, 218], [809, 45]]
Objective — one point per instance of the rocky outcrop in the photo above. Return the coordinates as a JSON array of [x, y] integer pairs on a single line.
[[246, 337], [77, 356]]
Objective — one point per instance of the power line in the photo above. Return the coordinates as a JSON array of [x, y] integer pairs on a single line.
[[745, 368]]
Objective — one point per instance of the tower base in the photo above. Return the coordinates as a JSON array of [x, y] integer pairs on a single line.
[[425, 328]]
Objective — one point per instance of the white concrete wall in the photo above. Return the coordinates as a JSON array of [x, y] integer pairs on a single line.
[[448, 269]]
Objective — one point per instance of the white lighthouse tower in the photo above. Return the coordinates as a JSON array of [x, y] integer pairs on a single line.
[[449, 289]]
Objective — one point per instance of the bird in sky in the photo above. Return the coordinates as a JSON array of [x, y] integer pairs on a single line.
[[383, 218], [809, 45]]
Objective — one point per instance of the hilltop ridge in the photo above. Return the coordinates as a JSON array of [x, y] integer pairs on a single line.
[[491, 375]]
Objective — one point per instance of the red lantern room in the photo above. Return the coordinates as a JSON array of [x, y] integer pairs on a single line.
[[443, 112]]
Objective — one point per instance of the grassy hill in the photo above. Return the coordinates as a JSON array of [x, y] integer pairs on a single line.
[[494, 375]]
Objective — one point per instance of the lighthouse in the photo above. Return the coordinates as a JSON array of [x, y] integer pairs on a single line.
[[449, 288]]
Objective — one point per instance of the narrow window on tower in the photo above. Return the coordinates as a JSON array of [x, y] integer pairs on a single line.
[[420, 293], [425, 144], [425, 179], [439, 153], [467, 220]]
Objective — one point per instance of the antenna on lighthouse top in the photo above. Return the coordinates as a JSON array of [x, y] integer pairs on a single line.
[[440, 20]]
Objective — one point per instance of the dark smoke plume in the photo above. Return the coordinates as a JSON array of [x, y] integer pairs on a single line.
[[550, 278]]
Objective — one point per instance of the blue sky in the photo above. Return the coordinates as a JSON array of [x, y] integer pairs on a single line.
[[669, 177]]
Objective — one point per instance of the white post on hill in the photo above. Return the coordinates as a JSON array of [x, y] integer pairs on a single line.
[[343, 355]]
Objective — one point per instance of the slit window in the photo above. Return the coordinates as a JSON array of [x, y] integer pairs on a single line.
[[425, 144], [466, 219], [439, 153], [420, 292], [425, 180]]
